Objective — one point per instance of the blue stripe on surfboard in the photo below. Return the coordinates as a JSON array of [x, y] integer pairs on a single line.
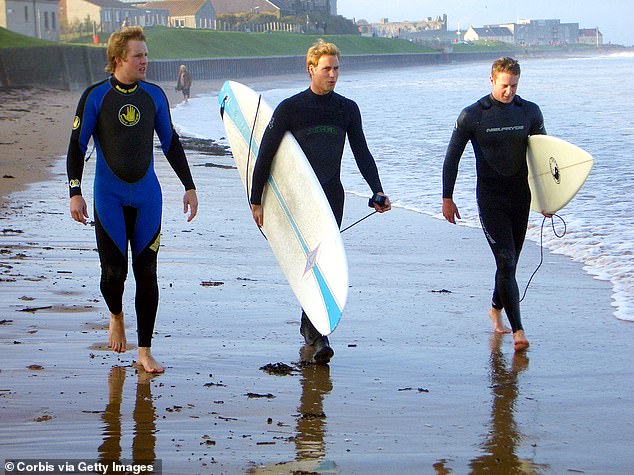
[[332, 308], [231, 106]]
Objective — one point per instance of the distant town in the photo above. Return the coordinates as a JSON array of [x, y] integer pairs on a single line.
[[57, 20]]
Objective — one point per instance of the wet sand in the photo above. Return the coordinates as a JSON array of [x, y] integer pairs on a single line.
[[419, 383]]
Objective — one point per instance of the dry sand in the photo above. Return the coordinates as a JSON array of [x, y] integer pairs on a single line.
[[418, 384]]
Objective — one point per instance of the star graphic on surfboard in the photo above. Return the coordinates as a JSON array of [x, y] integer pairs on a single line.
[[311, 259]]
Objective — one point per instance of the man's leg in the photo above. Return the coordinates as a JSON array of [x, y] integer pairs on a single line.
[[114, 270], [144, 266], [312, 337]]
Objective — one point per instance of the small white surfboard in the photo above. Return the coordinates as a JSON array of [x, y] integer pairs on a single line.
[[298, 222], [556, 171]]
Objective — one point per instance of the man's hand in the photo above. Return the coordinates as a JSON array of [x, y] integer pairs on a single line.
[[385, 206], [450, 210], [258, 215], [78, 209], [190, 202]]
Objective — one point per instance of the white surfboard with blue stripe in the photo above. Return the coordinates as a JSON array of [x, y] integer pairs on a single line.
[[298, 222]]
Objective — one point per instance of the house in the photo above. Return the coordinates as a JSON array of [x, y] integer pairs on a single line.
[[108, 16], [37, 18], [365, 29], [199, 14], [545, 32], [590, 36], [489, 33], [239, 7], [302, 7]]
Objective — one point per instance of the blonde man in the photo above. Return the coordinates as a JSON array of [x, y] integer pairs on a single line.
[[320, 119], [121, 114]]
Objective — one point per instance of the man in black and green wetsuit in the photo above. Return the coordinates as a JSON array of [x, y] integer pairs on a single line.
[[320, 120], [498, 126], [121, 114]]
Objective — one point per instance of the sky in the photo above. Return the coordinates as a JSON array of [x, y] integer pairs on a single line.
[[613, 17]]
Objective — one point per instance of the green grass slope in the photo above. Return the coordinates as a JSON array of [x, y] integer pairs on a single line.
[[169, 43]]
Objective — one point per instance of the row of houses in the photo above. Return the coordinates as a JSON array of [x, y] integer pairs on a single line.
[[44, 18], [524, 33], [536, 33]]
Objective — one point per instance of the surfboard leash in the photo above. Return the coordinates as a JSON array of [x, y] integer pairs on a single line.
[[541, 246], [246, 181], [357, 222]]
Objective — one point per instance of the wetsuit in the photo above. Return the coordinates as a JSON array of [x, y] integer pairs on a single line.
[[320, 124], [127, 196], [499, 134]]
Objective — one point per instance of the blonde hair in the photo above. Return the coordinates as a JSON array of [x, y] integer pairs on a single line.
[[505, 65], [318, 49], [118, 44]]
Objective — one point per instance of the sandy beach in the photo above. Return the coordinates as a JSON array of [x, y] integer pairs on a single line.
[[419, 383]]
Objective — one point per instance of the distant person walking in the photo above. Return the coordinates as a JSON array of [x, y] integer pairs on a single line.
[[121, 114], [184, 81]]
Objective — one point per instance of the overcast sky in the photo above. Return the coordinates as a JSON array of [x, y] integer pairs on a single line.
[[615, 18]]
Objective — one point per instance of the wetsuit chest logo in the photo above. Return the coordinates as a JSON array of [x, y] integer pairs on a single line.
[[129, 115], [76, 122]]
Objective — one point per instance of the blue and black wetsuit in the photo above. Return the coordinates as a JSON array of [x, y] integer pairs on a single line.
[[320, 124], [499, 135], [122, 119]]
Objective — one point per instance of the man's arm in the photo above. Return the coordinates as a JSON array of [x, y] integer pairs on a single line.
[[459, 138], [359, 146], [273, 135], [83, 126]]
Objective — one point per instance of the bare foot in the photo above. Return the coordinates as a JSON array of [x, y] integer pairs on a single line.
[[520, 341], [116, 333], [498, 325], [147, 361]]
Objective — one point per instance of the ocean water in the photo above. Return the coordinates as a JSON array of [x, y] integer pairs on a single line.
[[408, 117]]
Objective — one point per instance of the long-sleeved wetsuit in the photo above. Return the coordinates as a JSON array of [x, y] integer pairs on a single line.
[[320, 124], [122, 119], [499, 135]]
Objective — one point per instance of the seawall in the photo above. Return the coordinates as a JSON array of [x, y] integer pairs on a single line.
[[75, 67]]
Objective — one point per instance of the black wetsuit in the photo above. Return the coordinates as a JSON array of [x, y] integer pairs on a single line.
[[320, 124], [128, 203], [499, 134]]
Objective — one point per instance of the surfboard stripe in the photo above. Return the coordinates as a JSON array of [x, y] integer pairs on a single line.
[[333, 309]]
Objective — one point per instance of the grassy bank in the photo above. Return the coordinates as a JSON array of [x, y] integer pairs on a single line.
[[9, 39], [170, 43], [184, 43]]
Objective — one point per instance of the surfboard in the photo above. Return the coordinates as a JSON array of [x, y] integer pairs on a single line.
[[556, 171], [298, 222]]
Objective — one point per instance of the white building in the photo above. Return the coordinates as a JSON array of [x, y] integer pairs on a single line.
[[37, 18]]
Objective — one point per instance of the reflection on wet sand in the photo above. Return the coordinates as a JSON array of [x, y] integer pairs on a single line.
[[144, 415], [500, 446], [310, 446]]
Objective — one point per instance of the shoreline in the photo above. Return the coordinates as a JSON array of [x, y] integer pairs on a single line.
[[419, 383]]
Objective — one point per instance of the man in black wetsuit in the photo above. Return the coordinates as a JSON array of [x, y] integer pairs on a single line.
[[320, 119], [498, 126], [121, 114]]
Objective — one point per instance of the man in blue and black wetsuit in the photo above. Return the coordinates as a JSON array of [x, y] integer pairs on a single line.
[[121, 114], [320, 120], [498, 126]]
